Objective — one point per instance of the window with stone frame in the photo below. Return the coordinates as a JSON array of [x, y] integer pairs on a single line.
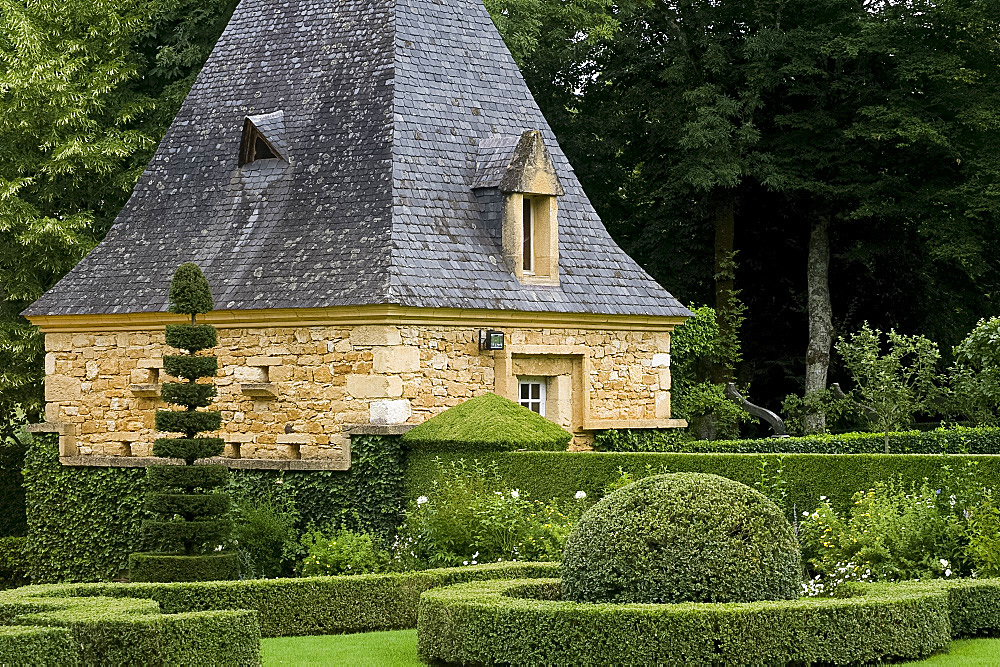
[[531, 393]]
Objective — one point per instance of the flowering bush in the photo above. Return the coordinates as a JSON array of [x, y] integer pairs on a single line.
[[345, 552], [470, 516], [892, 533]]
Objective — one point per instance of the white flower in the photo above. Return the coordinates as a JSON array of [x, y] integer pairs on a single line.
[[944, 563], [475, 555], [465, 562], [947, 573], [515, 493], [421, 500], [580, 495], [822, 497]]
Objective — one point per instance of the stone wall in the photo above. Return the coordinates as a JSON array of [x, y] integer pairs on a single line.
[[294, 393]]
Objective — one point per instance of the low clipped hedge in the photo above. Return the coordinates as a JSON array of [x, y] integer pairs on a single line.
[[309, 605], [959, 440], [803, 478], [522, 622], [53, 627]]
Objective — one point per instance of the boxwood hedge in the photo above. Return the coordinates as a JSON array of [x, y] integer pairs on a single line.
[[308, 605], [958, 440], [52, 627], [516, 622], [803, 477]]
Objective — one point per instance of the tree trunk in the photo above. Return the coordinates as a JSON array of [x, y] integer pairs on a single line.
[[725, 233], [820, 317]]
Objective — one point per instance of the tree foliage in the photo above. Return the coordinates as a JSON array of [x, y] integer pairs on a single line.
[[87, 88], [892, 384]]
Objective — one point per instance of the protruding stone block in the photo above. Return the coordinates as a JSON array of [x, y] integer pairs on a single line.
[[389, 412], [396, 359], [374, 386], [375, 335]]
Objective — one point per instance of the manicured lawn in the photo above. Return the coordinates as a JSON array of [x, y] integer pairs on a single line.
[[372, 649], [376, 649], [967, 652]]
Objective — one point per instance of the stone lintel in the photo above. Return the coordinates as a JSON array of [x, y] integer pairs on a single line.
[[46, 427], [380, 429], [240, 464], [149, 363], [145, 390], [264, 361], [604, 424]]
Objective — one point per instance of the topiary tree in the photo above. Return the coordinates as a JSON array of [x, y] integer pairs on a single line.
[[682, 537], [191, 514]]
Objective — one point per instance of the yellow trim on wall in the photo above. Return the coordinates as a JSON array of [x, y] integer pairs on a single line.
[[358, 315]]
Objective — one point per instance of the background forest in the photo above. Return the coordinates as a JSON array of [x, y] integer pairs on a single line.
[[802, 166]]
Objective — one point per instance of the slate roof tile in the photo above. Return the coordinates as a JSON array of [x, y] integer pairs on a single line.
[[386, 109]]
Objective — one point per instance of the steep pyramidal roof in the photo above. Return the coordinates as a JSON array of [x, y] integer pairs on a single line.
[[377, 110]]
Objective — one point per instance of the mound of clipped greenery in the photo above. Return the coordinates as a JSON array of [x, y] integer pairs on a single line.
[[488, 423], [682, 537], [191, 512]]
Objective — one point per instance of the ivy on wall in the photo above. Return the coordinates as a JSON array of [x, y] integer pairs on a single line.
[[83, 522], [12, 519]]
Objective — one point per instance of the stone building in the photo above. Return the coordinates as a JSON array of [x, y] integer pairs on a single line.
[[377, 203]]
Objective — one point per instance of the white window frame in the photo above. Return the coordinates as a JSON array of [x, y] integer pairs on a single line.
[[524, 385]]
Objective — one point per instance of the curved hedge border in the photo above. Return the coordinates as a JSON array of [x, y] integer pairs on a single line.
[[71, 630], [305, 606], [524, 622], [958, 440]]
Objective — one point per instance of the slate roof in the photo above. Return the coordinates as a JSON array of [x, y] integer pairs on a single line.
[[385, 107]]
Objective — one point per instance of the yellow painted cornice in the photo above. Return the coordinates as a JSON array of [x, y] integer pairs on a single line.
[[357, 315]]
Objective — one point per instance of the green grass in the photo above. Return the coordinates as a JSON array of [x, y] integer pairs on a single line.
[[372, 649], [399, 648], [966, 652]]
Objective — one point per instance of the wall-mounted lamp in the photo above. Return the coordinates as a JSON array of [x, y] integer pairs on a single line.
[[490, 340]]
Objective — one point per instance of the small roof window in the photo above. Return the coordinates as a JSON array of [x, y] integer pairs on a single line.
[[263, 138]]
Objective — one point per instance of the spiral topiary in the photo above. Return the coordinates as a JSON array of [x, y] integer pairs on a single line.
[[191, 514], [682, 537]]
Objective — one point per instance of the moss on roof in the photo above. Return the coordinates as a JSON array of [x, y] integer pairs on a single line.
[[488, 422]]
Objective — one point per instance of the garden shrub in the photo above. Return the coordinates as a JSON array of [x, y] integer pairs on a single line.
[[678, 538], [309, 605], [957, 440], [190, 505], [470, 515], [85, 521], [487, 423], [13, 563], [342, 552], [524, 623], [121, 631], [265, 537], [891, 533], [803, 477]]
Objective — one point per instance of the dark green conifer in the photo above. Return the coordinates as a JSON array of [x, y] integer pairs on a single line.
[[191, 513]]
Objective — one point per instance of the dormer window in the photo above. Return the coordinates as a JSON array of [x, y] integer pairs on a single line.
[[519, 172], [528, 261], [263, 138]]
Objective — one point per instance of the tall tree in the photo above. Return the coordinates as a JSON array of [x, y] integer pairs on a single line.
[[87, 88]]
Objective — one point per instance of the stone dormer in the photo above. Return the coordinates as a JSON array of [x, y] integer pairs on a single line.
[[518, 185]]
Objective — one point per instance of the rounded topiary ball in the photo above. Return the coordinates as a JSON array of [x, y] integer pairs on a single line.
[[683, 537]]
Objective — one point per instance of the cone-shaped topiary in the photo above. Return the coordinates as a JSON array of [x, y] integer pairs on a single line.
[[489, 423], [683, 537], [191, 512]]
